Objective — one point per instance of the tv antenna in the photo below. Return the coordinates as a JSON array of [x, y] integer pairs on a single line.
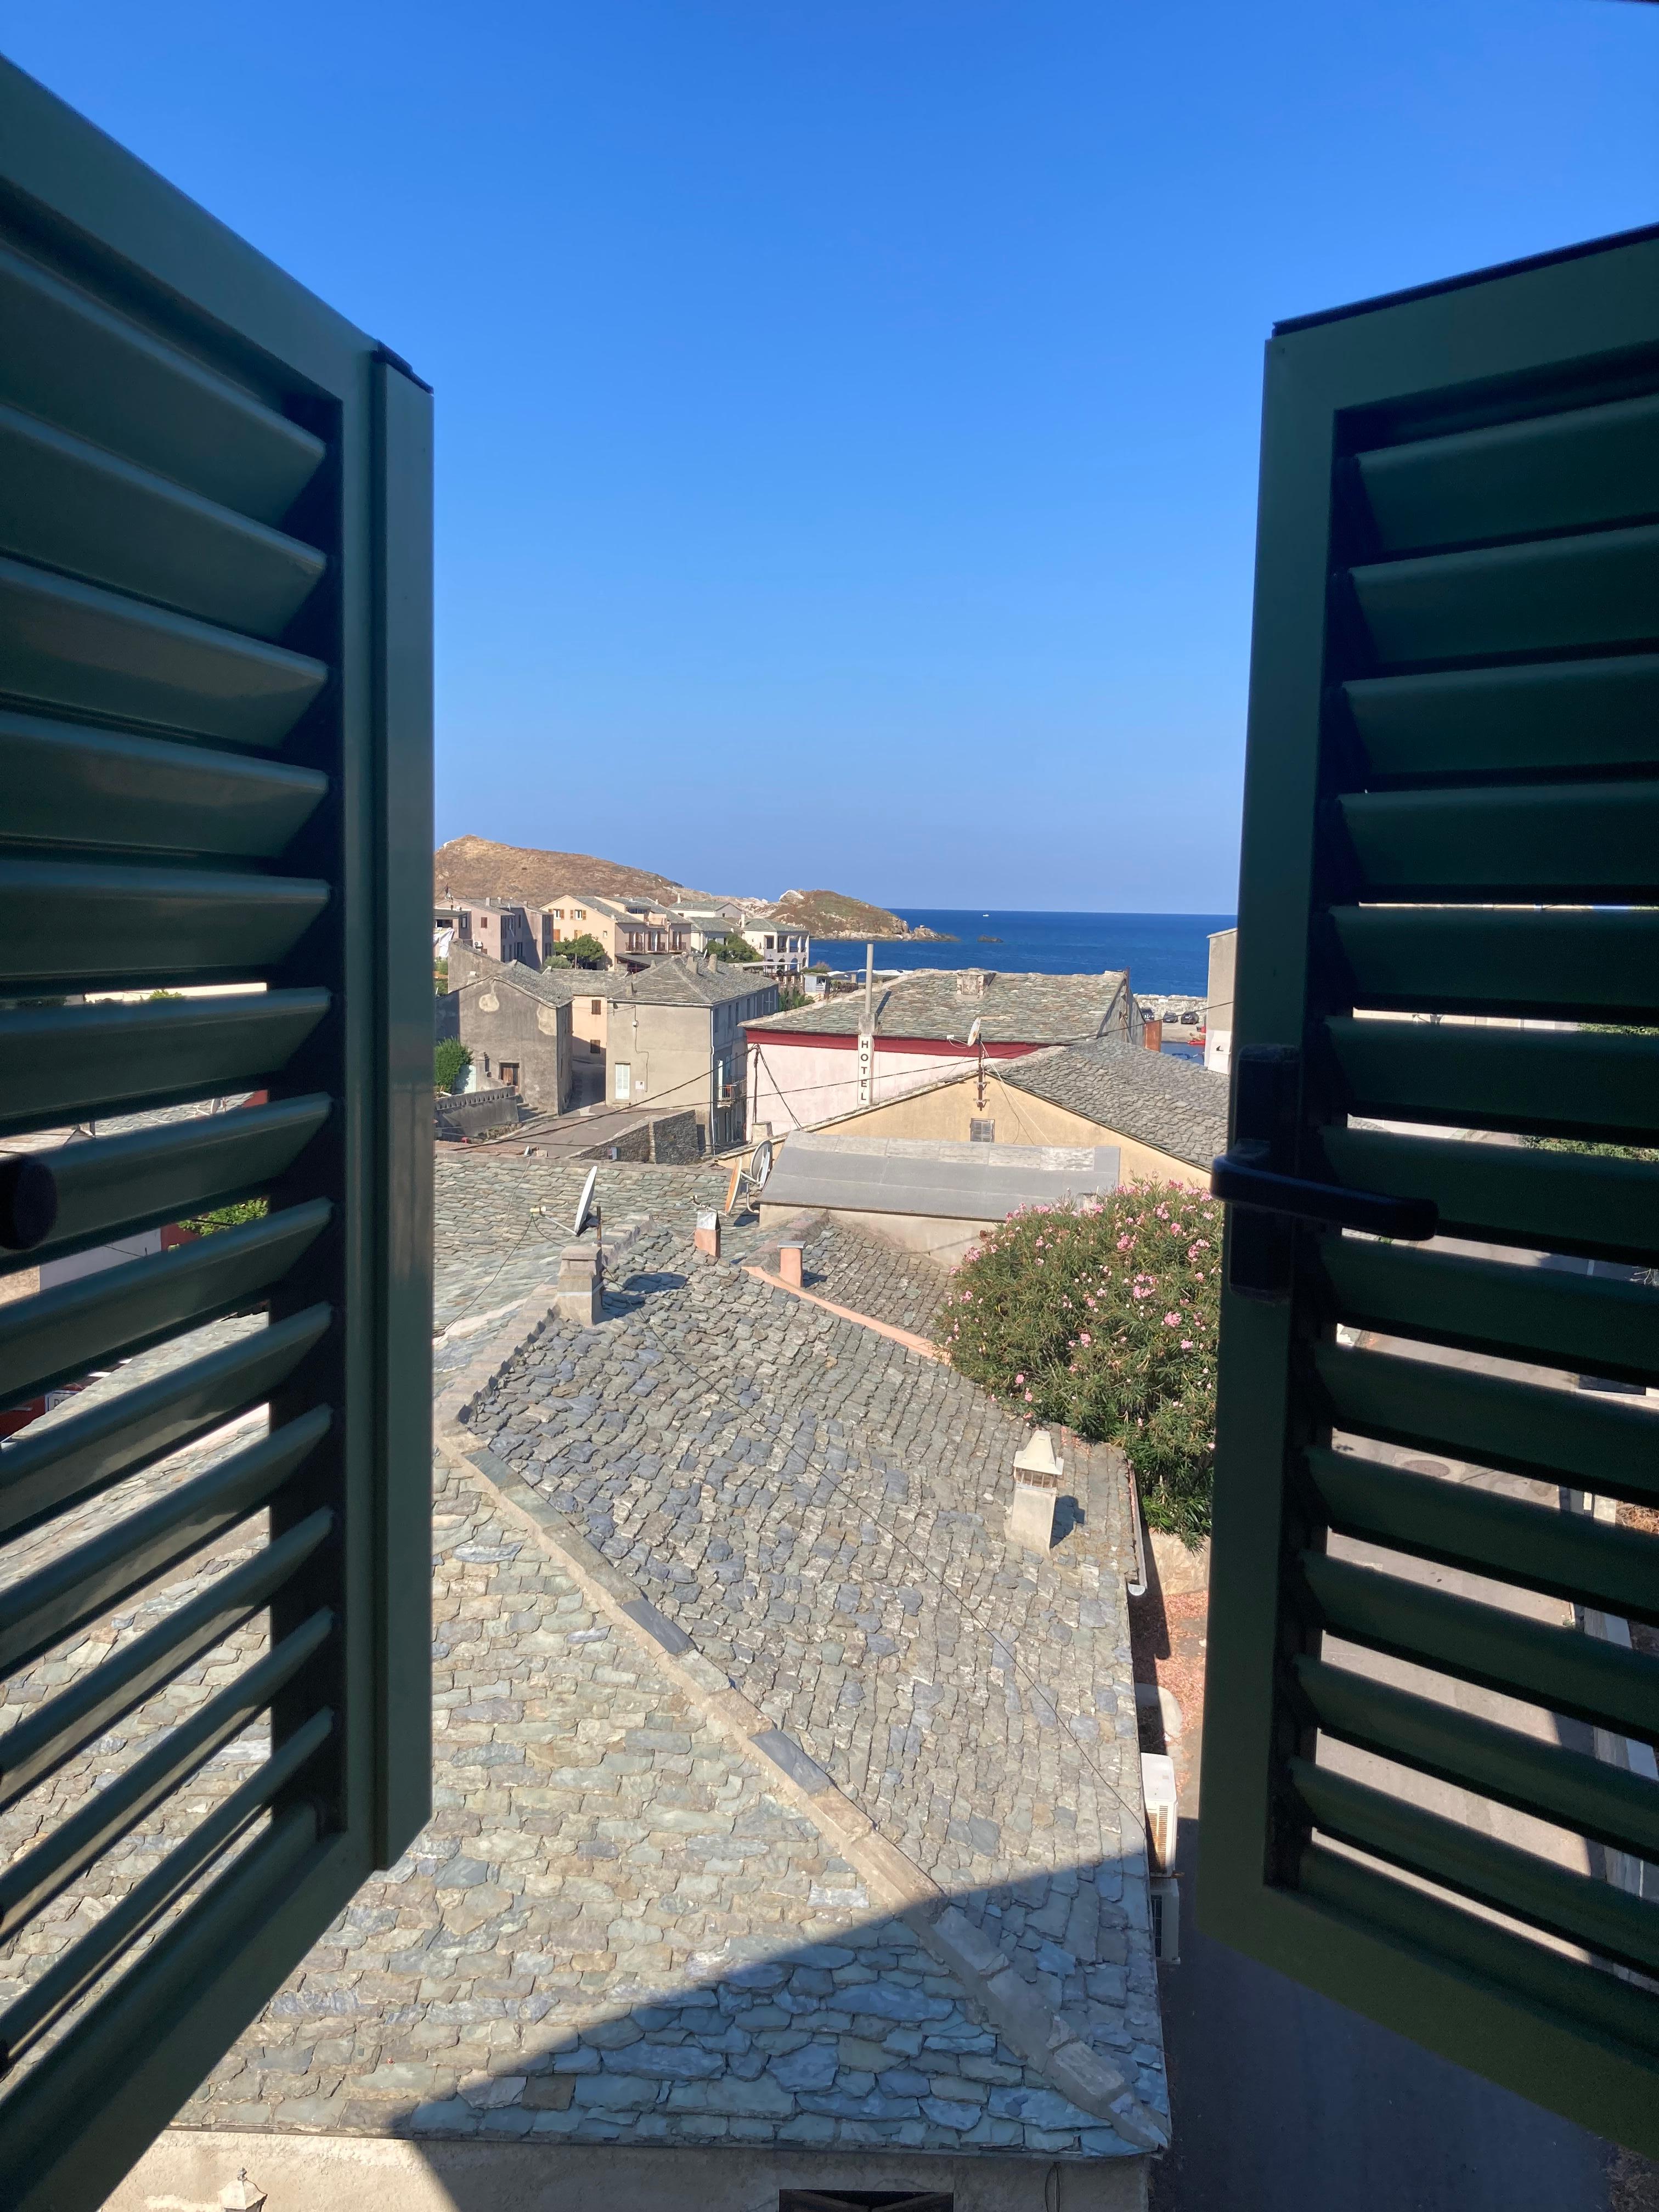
[[586, 1209]]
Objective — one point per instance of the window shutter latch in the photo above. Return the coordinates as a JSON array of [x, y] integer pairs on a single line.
[[1255, 1174]]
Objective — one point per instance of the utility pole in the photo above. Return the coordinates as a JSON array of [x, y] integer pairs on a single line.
[[867, 1029]]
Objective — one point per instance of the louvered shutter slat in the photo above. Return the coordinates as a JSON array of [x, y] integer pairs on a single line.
[[1551, 1202], [75, 1458], [115, 1185], [71, 1064], [37, 1747], [1503, 1539], [1553, 1083], [62, 1598], [1429, 1785], [68, 502], [1553, 594], [150, 925], [1547, 472], [1543, 964], [1496, 1874], [1574, 1322], [1527, 716], [215, 720], [77, 362], [1609, 1803], [1604, 1684], [1593, 841], [58, 1335], [78, 646], [66, 785], [1525, 1428]]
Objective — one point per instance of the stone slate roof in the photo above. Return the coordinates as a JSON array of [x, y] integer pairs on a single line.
[[632, 1919], [1176, 1105], [683, 983], [554, 985], [929, 1003]]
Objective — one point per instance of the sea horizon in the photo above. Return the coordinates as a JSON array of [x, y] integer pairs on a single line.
[[1162, 952]]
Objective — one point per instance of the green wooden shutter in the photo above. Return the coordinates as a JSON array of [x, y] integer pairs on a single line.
[[1452, 811], [215, 721]]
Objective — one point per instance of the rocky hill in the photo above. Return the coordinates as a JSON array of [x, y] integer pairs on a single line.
[[475, 868], [833, 914]]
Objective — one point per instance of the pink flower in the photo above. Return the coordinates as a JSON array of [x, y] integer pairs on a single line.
[[1084, 1338], [1028, 1397], [1019, 1379], [1172, 1321]]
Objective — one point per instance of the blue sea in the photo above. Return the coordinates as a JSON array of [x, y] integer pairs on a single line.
[[1162, 951]]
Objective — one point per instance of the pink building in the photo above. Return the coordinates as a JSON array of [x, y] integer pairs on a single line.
[[820, 1062]]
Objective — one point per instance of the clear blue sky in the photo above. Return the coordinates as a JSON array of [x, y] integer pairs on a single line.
[[848, 407]]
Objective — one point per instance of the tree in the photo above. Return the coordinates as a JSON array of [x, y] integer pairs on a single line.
[[583, 951], [733, 948], [450, 1061]]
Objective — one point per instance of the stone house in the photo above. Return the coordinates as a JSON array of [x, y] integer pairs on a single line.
[[496, 927], [517, 1023], [783, 945], [1167, 1117], [819, 1063], [676, 1038], [708, 921]]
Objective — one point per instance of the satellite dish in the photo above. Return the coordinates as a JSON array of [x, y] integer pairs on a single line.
[[761, 1166], [973, 1034], [585, 1202]]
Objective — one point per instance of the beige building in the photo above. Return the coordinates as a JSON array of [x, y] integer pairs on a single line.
[[784, 946], [1218, 1015], [1167, 1117], [496, 927], [632, 930], [675, 1040]]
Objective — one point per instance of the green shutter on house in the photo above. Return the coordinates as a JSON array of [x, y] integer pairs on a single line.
[[1451, 812], [214, 726]]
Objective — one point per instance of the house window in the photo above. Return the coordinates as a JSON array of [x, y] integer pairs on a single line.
[[510, 1072], [594, 1045], [579, 913], [622, 1084], [982, 1133], [595, 1006]]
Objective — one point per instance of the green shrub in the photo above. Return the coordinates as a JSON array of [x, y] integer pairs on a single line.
[[733, 948], [227, 1216], [1103, 1316], [450, 1061]]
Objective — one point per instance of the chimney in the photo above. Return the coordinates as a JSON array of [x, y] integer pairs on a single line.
[[1151, 1033], [971, 982], [1036, 1492]]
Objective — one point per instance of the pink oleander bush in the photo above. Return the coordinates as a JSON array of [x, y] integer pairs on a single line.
[[1103, 1315]]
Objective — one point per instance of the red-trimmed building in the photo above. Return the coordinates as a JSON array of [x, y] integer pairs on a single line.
[[816, 1064]]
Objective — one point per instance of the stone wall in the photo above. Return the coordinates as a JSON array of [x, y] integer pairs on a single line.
[[676, 1140]]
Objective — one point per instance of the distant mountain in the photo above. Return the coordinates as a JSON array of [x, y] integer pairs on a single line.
[[833, 914], [475, 867]]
